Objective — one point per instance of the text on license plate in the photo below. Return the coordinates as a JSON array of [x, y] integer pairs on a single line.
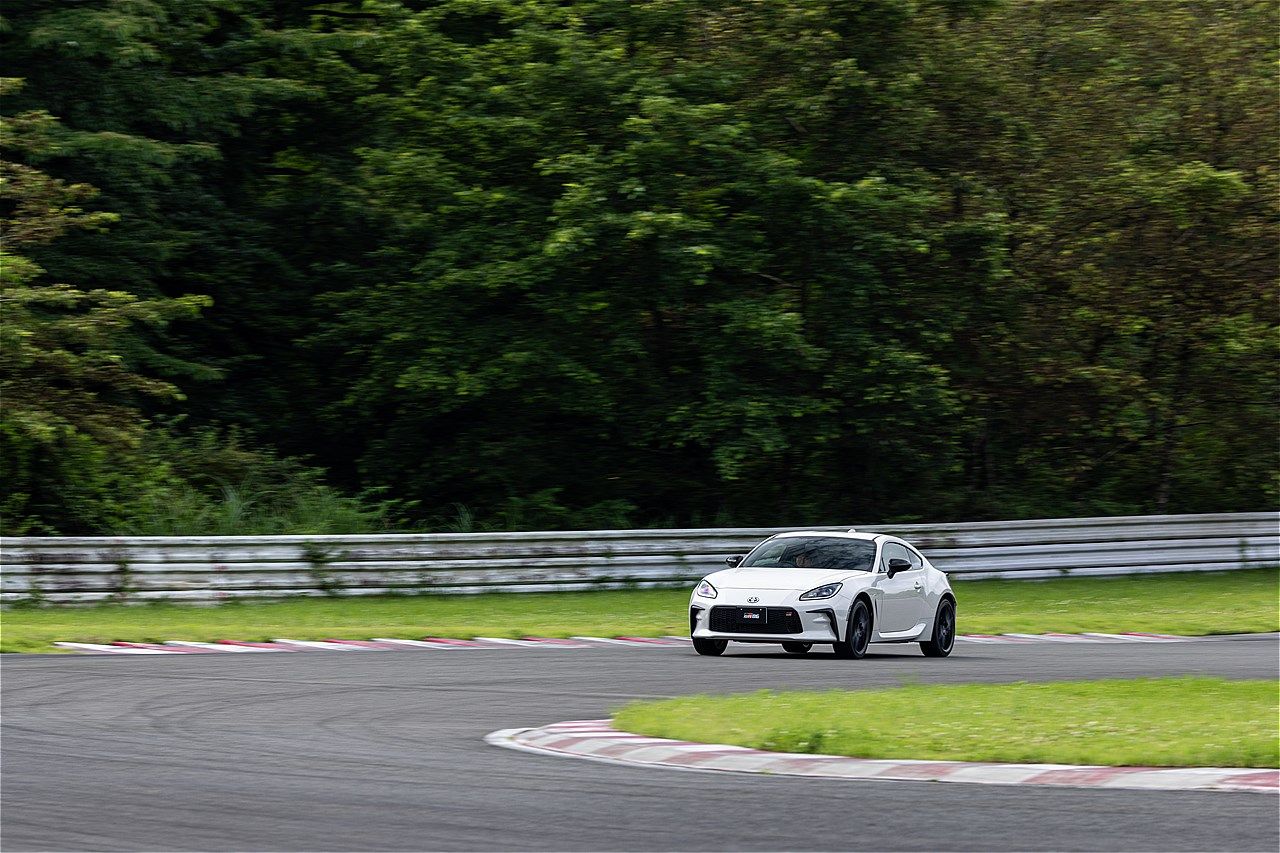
[[757, 615]]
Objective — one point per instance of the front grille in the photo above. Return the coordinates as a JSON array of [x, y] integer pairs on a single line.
[[779, 620]]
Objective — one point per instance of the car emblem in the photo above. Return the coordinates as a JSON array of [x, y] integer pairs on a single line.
[[753, 600]]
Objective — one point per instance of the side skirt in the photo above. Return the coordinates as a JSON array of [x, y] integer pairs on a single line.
[[901, 636]]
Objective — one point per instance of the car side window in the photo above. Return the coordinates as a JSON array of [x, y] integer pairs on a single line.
[[917, 562], [892, 551]]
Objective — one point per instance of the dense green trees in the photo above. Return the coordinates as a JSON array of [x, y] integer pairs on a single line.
[[532, 264], [68, 355]]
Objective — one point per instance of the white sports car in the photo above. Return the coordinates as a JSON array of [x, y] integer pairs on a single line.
[[846, 589]]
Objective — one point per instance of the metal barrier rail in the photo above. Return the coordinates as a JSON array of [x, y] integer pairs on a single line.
[[213, 568]]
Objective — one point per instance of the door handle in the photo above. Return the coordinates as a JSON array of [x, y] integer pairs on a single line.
[[918, 587]]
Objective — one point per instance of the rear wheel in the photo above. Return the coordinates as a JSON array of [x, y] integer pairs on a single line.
[[859, 634], [709, 647], [797, 648], [944, 632]]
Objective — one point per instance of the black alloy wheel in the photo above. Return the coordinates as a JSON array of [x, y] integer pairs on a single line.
[[709, 647], [858, 636], [944, 632]]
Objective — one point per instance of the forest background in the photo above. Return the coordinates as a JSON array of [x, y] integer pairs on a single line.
[[511, 264]]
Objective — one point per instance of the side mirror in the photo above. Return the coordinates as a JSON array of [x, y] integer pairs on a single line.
[[898, 565], [732, 562]]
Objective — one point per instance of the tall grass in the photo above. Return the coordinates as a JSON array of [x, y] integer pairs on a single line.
[[246, 511], [218, 484]]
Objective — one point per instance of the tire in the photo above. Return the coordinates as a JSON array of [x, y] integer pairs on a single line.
[[944, 632], [858, 636], [713, 648], [797, 648]]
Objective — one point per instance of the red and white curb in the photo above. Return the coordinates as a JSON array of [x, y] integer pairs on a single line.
[[597, 740], [179, 647], [440, 644]]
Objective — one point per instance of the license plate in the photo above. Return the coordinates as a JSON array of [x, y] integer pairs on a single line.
[[757, 614]]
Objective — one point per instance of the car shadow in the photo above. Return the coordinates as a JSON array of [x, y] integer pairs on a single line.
[[828, 657]]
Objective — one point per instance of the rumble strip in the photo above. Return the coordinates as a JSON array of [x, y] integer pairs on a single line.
[[597, 740]]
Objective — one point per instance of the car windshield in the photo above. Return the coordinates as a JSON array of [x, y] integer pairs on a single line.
[[813, 552]]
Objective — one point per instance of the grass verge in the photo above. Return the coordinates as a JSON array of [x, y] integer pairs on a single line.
[[1194, 604], [1167, 722]]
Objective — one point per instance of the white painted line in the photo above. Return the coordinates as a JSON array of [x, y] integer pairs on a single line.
[[416, 644], [1049, 638], [562, 642], [460, 644], [613, 641], [649, 641], [1124, 638], [158, 647], [1070, 638], [101, 648], [505, 641], [372, 645], [213, 647], [317, 644]]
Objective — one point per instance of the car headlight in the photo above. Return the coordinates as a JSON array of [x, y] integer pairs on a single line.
[[705, 590], [825, 591]]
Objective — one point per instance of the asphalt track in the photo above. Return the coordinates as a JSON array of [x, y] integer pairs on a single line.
[[384, 751]]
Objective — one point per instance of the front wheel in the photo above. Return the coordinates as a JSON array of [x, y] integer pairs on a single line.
[[944, 632], [858, 637], [710, 647], [797, 648]]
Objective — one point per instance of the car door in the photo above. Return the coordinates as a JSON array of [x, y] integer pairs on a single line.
[[919, 586], [901, 596]]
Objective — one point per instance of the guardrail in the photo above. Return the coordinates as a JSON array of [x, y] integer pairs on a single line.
[[213, 568]]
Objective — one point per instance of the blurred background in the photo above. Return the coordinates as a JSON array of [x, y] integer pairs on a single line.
[[286, 267]]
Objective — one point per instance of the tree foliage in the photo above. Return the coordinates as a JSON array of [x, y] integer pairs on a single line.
[[602, 263], [68, 357]]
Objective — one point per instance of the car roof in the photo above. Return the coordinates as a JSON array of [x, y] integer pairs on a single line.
[[834, 534]]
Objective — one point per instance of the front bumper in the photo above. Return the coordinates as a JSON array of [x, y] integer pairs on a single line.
[[818, 623]]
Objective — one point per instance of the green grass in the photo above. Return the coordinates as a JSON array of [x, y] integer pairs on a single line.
[[1219, 602], [1166, 722], [609, 613], [1189, 603]]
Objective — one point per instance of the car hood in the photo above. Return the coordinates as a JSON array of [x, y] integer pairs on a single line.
[[797, 579]]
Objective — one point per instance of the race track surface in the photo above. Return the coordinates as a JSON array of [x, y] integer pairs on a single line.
[[384, 751]]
